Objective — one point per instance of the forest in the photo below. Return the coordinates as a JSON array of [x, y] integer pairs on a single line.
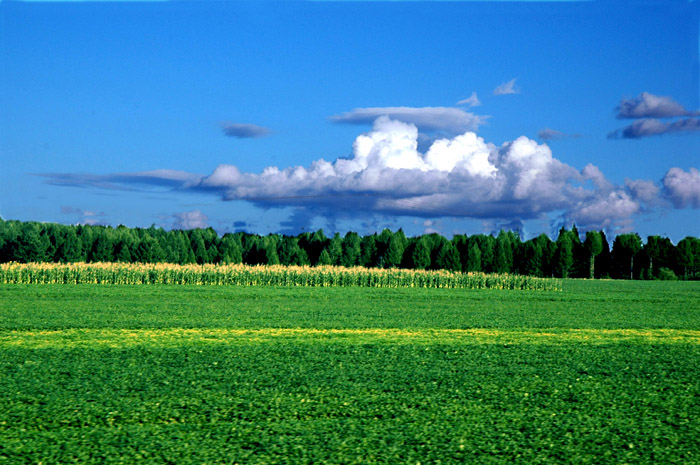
[[570, 255]]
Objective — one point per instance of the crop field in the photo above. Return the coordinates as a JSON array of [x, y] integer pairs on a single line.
[[598, 372], [261, 275]]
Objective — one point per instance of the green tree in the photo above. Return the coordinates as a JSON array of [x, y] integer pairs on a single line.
[[564, 254], [269, 245], [531, 261], [659, 253], [503, 253], [594, 246], [368, 257], [351, 250], [548, 248], [688, 256], [394, 252], [201, 255], [474, 258], [486, 244], [448, 257], [461, 243], [102, 249], [324, 258], [625, 248], [335, 249], [69, 249], [421, 254]]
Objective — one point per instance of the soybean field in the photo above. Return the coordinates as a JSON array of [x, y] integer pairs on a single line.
[[588, 372]]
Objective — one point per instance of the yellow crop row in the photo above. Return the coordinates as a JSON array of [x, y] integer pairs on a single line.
[[260, 275]]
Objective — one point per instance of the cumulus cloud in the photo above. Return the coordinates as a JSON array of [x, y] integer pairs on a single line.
[[611, 210], [244, 131], [551, 134], [193, 219], [648, 105], [507, 88], [643, 190], [441, 119], [461, 176], [683, 187], [472, 101], [654, 127]]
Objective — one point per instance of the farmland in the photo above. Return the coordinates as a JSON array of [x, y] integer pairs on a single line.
[[598, 372]]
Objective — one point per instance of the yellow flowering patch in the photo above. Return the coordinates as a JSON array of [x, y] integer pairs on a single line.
[[176, 337]]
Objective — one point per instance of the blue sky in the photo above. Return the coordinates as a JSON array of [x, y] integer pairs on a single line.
[[455, 117]]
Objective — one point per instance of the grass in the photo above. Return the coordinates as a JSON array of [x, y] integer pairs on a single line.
[[583, 304], [603, 372]]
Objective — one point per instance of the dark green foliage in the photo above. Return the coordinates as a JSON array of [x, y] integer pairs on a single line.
[[505, 244], [486, 245], [665, 274], [461, 243], [474, 258], [688, 258], [532, 259], [625, 248], [564, 254], [368, 258], [335, 249], [394, 252], [506, 253], [421, 254], [593, 246], [352, 250], [102, 250], [448, 258], [324, 258], [69, 247], [656, 254]]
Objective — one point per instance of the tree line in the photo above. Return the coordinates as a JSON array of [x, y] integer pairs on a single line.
[[571, 255]]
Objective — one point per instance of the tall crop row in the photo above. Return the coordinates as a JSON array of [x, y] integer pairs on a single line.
[[246, 275]]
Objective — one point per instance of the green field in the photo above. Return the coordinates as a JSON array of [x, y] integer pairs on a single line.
[[601, 372]]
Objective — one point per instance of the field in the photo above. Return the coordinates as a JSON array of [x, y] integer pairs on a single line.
[[599, 372]]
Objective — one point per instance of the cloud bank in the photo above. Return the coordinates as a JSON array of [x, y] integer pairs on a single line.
[[244, 131], [171, 179], [654, 127], [648, 105], [461, 176], [647, 109], [429, 119]]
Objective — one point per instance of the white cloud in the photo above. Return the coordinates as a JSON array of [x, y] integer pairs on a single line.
[[461, 176], [507, 88], [643, 190], [611, 210], [683, 188], [472, 101], [441, 119], [193, 219], [650, 105]]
